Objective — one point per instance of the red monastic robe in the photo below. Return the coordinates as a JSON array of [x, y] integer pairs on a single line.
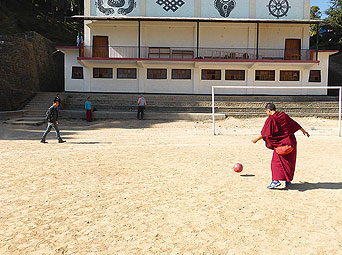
[[89, 115], [279, 130]]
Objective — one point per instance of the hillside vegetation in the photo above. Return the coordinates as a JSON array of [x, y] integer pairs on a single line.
[[48, 18]]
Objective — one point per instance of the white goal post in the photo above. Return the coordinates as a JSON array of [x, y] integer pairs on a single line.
[[255, 87]]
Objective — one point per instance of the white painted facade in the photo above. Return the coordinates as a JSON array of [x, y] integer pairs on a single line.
[[212, 47]]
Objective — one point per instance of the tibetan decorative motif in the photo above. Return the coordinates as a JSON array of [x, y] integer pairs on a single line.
[[172, 5], [225, 7], [116, 4], [278, 8]]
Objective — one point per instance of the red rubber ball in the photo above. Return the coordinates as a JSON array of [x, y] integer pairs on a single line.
[[238, 167]]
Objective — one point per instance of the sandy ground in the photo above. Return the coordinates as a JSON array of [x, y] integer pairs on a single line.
[[148, 187]]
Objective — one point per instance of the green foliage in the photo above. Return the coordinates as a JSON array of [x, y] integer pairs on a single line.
[[335, 19], [330, 36], [315, 14], [50, 18]]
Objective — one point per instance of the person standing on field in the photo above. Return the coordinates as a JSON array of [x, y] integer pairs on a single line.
[[278, 134], [141, 107], [52, 118], [88, 108]]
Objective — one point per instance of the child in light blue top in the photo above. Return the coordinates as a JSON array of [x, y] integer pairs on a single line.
[[88, 104]]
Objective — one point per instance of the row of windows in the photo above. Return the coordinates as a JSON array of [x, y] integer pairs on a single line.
[[131, 73], [207, 74], [260, 75]]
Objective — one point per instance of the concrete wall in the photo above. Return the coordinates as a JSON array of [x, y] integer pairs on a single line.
[[196, 85], [215, 35], [113, 84], [205, 86], [119, 33], [272, 36], [168, 34], [74, 84], [168, 85], [211, 35]]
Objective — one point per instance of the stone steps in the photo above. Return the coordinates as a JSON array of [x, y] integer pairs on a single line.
[[149, 115], [231, 105], [35, 110], [171, 97], [101, 104], [98, 103], [168, 106], [209, 109]]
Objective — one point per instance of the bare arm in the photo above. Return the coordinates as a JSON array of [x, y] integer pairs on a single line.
[[257, 139], [304, 132]]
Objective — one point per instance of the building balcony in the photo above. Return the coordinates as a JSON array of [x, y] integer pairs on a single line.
[[194, 54]]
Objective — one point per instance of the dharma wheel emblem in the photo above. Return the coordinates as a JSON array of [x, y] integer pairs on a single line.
[[278, 8]]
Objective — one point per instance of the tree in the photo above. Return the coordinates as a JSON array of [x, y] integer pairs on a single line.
[[315, 14], [334, 20]]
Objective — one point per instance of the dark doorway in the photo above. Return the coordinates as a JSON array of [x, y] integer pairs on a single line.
[[292, 49], [100, 47], [335, 73]]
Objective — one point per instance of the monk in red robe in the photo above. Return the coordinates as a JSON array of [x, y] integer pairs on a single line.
[[278, 131]]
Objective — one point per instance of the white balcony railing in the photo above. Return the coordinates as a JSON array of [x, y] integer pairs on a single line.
[[144, 52]]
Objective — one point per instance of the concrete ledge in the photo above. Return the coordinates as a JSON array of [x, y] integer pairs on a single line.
[[148, 115], [30, 121], [12, 114], [26, 122]]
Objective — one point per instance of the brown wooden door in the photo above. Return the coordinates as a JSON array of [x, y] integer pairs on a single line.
[[100, 47], [292, 49]]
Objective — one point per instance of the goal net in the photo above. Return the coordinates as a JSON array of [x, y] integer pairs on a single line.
[[213, 88]]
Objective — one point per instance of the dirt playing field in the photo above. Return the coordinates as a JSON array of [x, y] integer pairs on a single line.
[[149, 187]]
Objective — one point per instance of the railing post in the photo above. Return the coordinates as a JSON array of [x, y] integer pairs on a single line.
[[257, 46], [213, 107], [339, 110], [197, 55], [139, 39]]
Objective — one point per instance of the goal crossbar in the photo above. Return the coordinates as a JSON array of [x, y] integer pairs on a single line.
[[256, 87]]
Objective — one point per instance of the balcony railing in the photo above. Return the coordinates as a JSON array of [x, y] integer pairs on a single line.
[[192, 53]]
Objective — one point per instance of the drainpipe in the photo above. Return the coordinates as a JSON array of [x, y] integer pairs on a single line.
[[317, 40], [139, 39]]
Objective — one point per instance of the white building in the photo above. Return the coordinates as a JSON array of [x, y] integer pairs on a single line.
[[187, 46]]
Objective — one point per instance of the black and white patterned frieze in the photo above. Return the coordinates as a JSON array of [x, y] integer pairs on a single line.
[[225, 7], [118, 6], [278, 8], [170, 5]]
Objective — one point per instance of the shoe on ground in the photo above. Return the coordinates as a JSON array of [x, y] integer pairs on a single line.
[[274, 184], [43, 141], [287, 184], [61, 141]]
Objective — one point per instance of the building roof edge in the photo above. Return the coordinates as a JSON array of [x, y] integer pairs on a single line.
[[199, 19]]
